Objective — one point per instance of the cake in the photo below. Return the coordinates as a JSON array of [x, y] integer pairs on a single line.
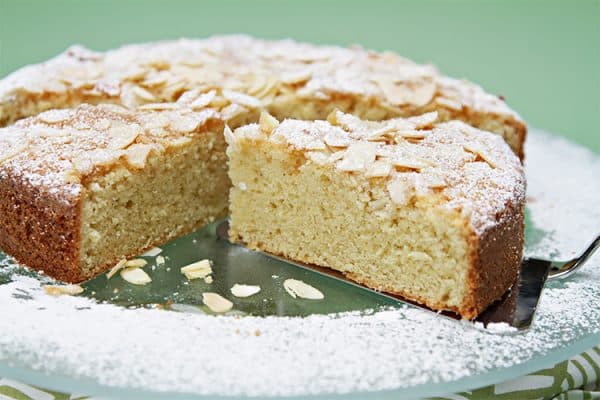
[[104, 155], [429, 211], [285, 78], [81, 189]]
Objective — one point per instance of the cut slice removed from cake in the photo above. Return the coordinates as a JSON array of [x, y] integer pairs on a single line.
[[81, 189], [432, 212]]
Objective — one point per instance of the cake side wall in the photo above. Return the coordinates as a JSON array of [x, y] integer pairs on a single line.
[[495, 259], [129, 210], [38, 229]]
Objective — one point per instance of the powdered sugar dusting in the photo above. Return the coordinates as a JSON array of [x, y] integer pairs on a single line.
[[177, 352]]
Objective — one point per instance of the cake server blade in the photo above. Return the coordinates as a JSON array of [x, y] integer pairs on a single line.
[[516, 308]]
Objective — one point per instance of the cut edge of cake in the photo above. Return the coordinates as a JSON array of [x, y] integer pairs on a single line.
[[322, 193], [81, 189]]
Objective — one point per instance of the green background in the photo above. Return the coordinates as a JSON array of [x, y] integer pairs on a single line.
[[543, 56]]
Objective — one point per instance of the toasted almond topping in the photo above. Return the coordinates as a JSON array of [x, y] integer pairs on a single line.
[[410, 163], [379, 168], [358, 156], [268, 123], [102, 124], [232, 111], [123, 135], [229, 137], [481, 154], [203, 100], [185, 124], [412, 134], [143, 94], [153, 252], [451, 104], [158, 106], [400, 191], [216, 302], [200, 269], [295, 77], [137, 154], [60, 290], [334, 140], [424, 120], [243, 99], [239, 290], [297, 288], [116, 268], [54, 116], [136, 263], [135, 276]]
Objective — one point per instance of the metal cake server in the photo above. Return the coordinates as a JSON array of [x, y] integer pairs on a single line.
[[516, 308]]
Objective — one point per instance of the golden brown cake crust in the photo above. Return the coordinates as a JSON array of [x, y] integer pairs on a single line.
[[287, 78], [39, 229]]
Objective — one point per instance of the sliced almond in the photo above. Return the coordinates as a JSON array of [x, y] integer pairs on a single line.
[[54, 116], [336, 140], [481, 154], [116, 268], [137, 154], [136, 263], [60, 290], [267, 122], [122, 135], [297, 288], [143, 94], [379, 168], [135, 276], [400, 191], [158, 106], [102, 124], [200, 269], [239, 290], [242, 99], [229, 137], [412, 133], [203, 100], [216, 302], [358, 157]]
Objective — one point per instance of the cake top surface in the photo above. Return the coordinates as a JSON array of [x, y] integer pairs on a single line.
[[474, 171], [160, 72], [57, 149]]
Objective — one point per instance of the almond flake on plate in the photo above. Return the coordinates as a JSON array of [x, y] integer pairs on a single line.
[[136, 263], [200, 269], [244, 290], [60, 290], [297, 288], [216, 302], [135, 276], [116, 268]]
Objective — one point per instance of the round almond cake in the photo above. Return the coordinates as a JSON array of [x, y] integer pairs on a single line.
[[403, 179]]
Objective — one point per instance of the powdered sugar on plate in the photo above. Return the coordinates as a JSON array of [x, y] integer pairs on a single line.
[[158, 350]]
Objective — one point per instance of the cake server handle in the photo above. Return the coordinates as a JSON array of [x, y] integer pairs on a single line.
[[561, 270]]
